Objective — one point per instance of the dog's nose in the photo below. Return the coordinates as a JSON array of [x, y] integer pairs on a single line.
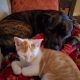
[[56, 47]]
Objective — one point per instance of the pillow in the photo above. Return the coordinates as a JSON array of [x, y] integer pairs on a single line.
[[22, 5]]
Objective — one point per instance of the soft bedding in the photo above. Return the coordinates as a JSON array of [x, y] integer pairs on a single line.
[[23, 5], [71, 47]]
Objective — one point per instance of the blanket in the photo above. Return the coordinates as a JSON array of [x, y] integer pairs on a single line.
[[71, 47]]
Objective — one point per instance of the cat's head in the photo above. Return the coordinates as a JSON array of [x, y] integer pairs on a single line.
[[27, 49]]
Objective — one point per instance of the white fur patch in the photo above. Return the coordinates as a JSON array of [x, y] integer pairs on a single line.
[[30, 71], [44, 77], [16, 67]]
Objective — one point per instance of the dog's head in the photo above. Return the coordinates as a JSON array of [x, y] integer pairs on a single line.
[[59, 30]]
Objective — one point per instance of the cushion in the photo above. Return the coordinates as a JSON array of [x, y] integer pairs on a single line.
[[22, 5]]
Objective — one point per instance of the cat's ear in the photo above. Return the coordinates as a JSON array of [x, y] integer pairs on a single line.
[[18, 41], [37, 42]]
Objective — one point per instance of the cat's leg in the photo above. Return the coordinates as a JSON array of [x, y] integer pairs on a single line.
[[47, 76], [31, 70], [16, 67], [44, 77]]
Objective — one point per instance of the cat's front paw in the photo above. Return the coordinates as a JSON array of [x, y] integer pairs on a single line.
[[26, 72], [16, 67]]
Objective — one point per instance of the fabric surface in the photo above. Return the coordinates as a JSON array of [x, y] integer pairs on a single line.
[[69, 48], [8, 74], [22, 5]]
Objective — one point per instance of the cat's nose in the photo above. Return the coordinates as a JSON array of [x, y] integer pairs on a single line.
[[25, 57]]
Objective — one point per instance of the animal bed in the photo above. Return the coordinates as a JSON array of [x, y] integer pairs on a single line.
[[71, 47]]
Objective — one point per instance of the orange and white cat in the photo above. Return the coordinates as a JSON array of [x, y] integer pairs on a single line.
[[48, 64]]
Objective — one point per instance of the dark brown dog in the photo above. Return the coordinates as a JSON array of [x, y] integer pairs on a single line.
[[49, 22]]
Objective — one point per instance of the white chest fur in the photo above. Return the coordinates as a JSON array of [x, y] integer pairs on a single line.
[[34, 68], [31, 70]]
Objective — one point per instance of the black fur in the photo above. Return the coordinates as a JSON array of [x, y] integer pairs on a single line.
[[49, 22]]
